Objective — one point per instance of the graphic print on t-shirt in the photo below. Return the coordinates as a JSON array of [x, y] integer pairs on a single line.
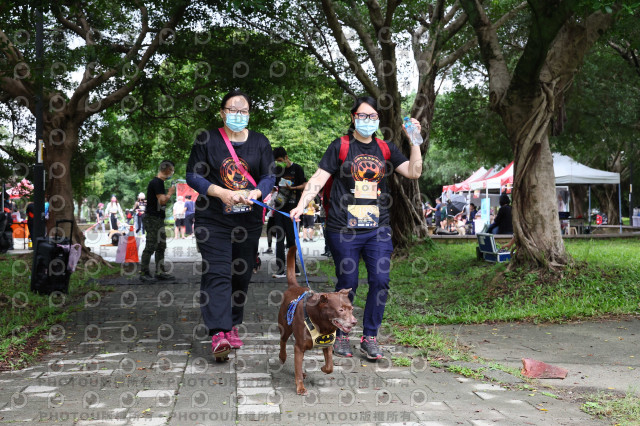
[[231, 175], [367, 167]]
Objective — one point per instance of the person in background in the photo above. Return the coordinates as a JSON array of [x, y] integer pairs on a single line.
[[113, 210], [31, 214], [461, 223], [189, 214], [358, 220], [8, 210], [156, 241], [228, 167], [290, 180], [562, 206], [308, 219], [502, 223], [428, 213], [437, 215], [322, 219], [139, 208], [179, 214], [472, 216], [271, 220], [99, 218]]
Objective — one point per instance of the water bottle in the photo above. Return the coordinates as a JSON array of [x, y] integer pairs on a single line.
[[412, 130]]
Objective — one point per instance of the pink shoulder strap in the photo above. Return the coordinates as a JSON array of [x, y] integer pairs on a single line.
[[235, 157]]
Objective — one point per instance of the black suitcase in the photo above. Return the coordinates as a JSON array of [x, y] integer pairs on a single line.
[[50, 270]]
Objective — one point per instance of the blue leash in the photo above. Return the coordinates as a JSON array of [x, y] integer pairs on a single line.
[[295, 231]]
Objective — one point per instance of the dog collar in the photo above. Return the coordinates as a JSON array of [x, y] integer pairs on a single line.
[[319, 340]]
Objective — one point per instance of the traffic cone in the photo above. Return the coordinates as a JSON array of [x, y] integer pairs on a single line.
[[131, 255]]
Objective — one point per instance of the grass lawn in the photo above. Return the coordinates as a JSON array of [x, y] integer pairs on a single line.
[[446, 284], [621, 410], [26, 317]]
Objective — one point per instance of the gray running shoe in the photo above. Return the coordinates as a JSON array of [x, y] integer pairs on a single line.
[[342, 347], [369, 347]]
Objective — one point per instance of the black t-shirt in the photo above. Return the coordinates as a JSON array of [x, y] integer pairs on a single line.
[[210, 158], [155, 187], [363, 162], [287, 199], [503, 220]]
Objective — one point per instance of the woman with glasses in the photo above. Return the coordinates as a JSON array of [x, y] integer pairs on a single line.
[[228, 167], [358, 216]]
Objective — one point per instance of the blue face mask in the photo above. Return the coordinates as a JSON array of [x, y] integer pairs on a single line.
[[237, 122], [367, 127]]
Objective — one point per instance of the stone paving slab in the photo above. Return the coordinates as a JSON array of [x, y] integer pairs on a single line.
[[140, 356]]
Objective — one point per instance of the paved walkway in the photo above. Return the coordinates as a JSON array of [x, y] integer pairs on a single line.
[[600, 355], [141, 356]]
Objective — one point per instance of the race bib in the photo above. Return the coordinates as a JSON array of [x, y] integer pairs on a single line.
[[363, 216], [238, 208], [366, 190]]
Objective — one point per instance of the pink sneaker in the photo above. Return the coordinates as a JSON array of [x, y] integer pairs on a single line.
[[233, 338], [220, 345]]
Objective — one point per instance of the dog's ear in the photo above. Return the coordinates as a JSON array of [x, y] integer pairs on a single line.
[[323, 298], [344, 291]]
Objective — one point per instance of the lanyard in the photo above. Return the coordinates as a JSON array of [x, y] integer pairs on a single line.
[[295, 232], [235, 157]]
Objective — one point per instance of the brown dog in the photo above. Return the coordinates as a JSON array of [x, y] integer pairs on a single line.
[[325, 312]]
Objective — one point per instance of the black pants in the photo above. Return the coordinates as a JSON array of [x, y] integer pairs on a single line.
[[140, 223], [284, 229], [188, 224], [114, 220], [270, 231], [227, 266]]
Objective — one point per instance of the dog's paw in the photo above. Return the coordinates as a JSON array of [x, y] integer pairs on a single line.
[[283, 358], [304, 376], [301, 390], [327, 369]]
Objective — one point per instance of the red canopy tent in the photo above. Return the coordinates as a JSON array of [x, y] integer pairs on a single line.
[[478, 174], [466, 186]]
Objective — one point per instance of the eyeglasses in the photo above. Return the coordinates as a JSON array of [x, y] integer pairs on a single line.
[[236, 111], [363, 116]]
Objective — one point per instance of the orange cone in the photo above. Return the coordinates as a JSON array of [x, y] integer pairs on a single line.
[[131, 255]]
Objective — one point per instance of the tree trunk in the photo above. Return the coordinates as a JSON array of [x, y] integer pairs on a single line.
[[80, 205], [536, 224], [57, 163], [405, 213], [578, 200], [607, 196]]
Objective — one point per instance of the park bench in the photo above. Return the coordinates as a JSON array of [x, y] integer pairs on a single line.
[[488, 251]]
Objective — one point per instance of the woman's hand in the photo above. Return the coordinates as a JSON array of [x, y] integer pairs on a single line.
[[228, 197], [296, 213], [415, 123], [253, 195]]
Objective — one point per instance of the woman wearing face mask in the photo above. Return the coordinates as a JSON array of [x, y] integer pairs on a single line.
[[358, 218], [228, 167]]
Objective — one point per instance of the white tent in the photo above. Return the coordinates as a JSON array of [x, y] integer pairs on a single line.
[[568, 171]]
